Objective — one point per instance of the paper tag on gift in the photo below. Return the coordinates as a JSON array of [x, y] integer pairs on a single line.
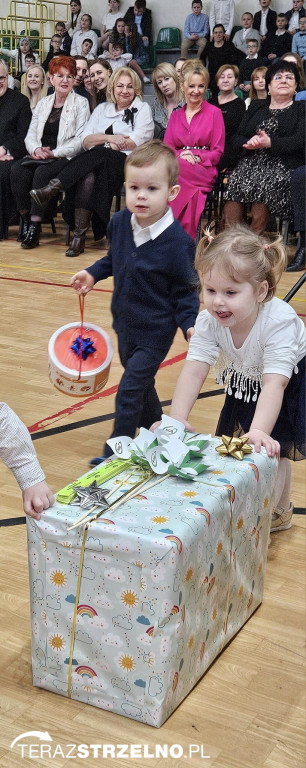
[[175, 450], [144, 440], [197, 445], [157, 460], [172, 427]]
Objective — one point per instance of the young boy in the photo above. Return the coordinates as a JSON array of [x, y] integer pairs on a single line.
[[276, 43], [222, 12], [196, 28], [241, 37], [55, 50], [60, 29], [117, 58], [265, 20], [17, 452], [247, 65], [86, 48], [299, 39], [151, 259], [294, 15]]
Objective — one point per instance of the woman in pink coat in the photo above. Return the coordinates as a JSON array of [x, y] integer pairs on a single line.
[[196, 134]]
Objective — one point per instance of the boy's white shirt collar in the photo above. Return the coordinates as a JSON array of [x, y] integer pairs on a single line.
[[142, 235], [280, 32], [254, 57]]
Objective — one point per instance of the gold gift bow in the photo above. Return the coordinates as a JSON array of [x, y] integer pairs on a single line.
[[237, 447]]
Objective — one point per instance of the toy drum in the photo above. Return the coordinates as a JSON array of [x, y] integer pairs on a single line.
[[66, 372]]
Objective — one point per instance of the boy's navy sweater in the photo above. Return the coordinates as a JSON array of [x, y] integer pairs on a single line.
[[155, 284]]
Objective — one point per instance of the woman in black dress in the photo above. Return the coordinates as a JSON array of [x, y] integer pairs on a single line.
[[232, 108], [272, 133]]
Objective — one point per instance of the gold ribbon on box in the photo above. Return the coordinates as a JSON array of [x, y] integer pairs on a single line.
[[237, 447]]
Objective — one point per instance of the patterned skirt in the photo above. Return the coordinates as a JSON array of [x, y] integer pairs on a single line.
[[262, 178]]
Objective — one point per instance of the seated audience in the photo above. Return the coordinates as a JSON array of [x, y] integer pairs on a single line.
[[113, 130], [117, 58], [299, 39], [15, 118], [108, 23], [35, 87], [232, 108], [251, 62], [18, 55], [265, 19], [222, 12], [86, 49], [29, 60], [55, 50], [54, 134], [100, 71], [81, 72], [134, 44], [293, 16], [74, 22], [242, 35], [258, 86], [272, 133], [298, 193], [60, 29], [142, 16], [168, 96], [196, 29], [196, 135], [276, 43], [220, 52], [80, 35]]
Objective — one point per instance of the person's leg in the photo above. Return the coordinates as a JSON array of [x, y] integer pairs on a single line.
[[82, 214], [298, 194], [260, 217], [232, 213], [42, 175], [21, 182], [201, 43], [282, 514], [74, 171], [136, 394], [186, 44], [133, 64]]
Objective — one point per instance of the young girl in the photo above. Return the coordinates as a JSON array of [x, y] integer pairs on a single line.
[[75, 19], [257, 343], [135, 45], [258, 86], [18, 55]]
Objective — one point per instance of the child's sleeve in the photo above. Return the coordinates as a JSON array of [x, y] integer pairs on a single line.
[[231, 18], [187, 27], [203, 345], [17, 450], [212, 15], [284, 345]]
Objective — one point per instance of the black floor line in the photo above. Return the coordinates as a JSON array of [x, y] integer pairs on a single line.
[[106, 417]]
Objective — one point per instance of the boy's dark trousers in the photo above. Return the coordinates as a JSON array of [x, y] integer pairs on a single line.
[[137, 402]]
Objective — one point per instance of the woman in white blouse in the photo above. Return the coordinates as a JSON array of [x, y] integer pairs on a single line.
[[53, 138], [115, 128]]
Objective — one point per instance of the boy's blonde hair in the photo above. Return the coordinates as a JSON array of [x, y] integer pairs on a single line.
[[244, 256], [151, 152]]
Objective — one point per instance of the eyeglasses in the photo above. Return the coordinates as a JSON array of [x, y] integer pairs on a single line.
[[64, 77], [3, 78], [290, 78]]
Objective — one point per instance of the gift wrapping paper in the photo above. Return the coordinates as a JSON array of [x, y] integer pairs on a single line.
[[128, 614]]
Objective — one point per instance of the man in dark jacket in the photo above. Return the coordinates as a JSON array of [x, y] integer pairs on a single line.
[[265, 19], [142, 17], [15, 118]]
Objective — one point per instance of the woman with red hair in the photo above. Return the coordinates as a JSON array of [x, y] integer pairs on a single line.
[[53, 138]]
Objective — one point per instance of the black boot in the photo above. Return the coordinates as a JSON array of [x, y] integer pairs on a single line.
[[42, 196], [25, 222], [82, 221], [32, 238], [299, 260]]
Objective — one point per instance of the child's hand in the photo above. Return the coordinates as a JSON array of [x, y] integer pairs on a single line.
[[37, 498], [189, 333], [82, 282], [155, 425], [260, 438], [183, 421]]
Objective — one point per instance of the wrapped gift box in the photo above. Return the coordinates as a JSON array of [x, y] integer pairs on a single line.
[[128, 615]]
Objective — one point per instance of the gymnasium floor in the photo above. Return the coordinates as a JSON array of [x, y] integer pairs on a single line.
[[248, 710]]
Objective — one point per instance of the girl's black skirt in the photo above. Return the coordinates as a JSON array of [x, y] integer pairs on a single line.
[[236, 417]]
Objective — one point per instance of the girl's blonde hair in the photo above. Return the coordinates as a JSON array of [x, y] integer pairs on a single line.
[[259, 70], [165, 69], [244, 256], [121, 72], [36, 97]]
